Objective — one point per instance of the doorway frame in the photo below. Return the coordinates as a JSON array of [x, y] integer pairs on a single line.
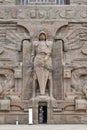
[[49, 110], [39, 105]]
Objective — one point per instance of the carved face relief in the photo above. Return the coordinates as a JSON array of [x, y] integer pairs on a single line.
[[42, 37]]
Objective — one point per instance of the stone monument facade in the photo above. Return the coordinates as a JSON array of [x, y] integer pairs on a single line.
[[43, 61]]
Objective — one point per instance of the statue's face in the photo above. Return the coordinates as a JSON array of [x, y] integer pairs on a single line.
[[42, 37]]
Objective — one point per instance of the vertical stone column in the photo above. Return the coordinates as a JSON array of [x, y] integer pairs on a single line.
[[49, 112], [18, 80], [27, 73], [35, 111], [57, 69], [67, 81]]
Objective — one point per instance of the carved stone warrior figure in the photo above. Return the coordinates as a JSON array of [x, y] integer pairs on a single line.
[[42, 60]]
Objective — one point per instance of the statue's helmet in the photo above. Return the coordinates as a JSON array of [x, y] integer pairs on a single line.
[[42, 36]]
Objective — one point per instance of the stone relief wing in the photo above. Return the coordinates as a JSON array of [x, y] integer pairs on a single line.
[[73, 39], [13, 40], [84, 48], [12, 45]]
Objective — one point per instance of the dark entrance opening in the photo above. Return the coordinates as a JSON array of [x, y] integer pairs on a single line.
[[42, 113]]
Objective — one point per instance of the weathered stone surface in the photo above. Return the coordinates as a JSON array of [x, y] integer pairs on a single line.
[[4, 105], [57, 69], [22, 117], [44, 13], [80, 104], [67, 73], [47, 74], [18, 73]]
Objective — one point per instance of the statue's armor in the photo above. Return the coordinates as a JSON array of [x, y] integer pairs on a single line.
[[42, 63], [43, 49]]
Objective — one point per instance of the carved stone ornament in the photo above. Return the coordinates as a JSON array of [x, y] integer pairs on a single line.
[[80, 104], [18, 73], [67, 73], [41, 56]]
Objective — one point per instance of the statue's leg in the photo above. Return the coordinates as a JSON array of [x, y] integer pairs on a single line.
[[43, 81], [42, 77], [34, 85], [51, 85]]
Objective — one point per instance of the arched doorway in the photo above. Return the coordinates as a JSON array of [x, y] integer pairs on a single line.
[[42, 113]]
